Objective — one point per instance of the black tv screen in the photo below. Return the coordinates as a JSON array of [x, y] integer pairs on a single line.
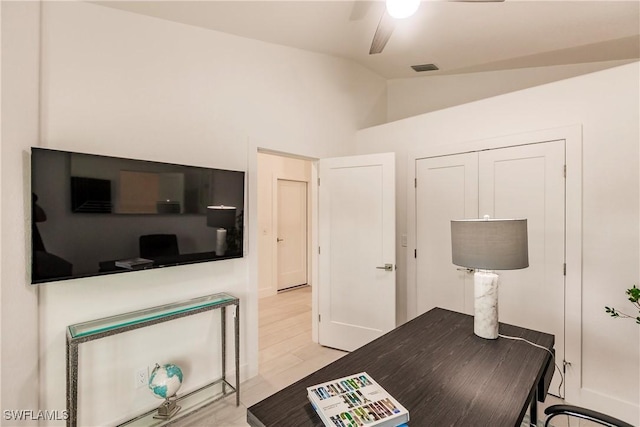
[[95, 215]]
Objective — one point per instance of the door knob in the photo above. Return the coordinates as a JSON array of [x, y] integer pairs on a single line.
[[279, 239], [387, 267]]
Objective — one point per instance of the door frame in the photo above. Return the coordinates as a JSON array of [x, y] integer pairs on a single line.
[[572, 135]]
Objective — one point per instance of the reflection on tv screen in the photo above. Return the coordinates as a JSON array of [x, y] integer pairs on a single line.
[[96, 214]]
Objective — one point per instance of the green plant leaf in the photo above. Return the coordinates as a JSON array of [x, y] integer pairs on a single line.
[[634, 294], [634, 297]]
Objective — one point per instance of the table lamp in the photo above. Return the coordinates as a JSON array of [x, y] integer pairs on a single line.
[[487, 245], [223, 218]]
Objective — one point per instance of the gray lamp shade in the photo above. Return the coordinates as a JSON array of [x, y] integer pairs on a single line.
[[221, 216], [490, 244]]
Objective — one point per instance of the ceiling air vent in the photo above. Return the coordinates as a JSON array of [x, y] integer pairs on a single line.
[[425, 67]]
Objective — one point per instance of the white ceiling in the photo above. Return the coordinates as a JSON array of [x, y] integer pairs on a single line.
[[458, 37]]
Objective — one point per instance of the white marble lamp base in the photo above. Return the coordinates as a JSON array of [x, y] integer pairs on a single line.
[[485, 322]]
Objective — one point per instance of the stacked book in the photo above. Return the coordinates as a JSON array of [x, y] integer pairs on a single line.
[[354, 401], [134, 263]]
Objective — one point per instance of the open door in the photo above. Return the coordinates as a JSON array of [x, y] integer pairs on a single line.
[[357, 279]]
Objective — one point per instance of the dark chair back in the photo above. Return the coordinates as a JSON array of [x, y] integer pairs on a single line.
[[158, 245], [585, 414]]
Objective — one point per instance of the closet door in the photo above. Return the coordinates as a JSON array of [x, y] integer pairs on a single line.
[[516, 182], [446, 189], [528, 182]]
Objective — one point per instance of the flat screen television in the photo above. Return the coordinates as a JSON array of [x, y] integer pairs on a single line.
[[94, 215]]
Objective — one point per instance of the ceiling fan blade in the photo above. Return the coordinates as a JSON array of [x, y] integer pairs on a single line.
[[383, 32]]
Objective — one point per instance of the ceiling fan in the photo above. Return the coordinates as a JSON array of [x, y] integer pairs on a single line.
[[399, 9]]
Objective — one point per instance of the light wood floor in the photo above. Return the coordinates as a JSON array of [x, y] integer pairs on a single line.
[[287, 354]]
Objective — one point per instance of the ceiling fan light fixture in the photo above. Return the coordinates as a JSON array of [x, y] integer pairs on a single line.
[[401, 9]]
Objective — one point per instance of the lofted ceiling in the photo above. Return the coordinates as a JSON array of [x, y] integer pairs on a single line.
[[459, 37]]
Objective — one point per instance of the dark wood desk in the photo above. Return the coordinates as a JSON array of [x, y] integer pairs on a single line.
[[439, 370]]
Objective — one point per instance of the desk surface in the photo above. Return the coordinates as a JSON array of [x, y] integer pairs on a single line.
[[435, 367]]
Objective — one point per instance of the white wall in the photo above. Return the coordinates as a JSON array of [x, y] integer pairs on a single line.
[[423, 94], [122, 84], [606, 105], [19, 310], [184, 83]]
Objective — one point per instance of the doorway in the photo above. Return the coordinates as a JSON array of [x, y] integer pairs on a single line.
[[284, 219], [370, 193], [284, 280]]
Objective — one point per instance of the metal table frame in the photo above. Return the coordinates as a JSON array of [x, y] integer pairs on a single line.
[[179, 310]]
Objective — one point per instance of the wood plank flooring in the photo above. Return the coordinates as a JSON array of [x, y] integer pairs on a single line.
[[287, 354]]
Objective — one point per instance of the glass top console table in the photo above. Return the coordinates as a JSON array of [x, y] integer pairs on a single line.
[[109, 326]]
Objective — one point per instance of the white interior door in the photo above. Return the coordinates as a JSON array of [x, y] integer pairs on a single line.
[[357, 295], [515, 182], [528, 182], [452, 181], [291, 233]]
